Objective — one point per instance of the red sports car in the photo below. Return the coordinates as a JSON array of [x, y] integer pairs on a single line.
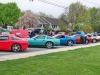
[[12, 43], [89, 39]]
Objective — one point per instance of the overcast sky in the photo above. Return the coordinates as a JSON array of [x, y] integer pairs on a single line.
[[37, 5]]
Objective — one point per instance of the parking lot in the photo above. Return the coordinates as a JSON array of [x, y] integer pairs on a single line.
[[40, 51], [29, 50]]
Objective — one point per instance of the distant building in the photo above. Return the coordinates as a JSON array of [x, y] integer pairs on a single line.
[[9, 27], [53, 23]]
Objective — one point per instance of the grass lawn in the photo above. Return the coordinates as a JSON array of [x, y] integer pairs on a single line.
[[85, 61]]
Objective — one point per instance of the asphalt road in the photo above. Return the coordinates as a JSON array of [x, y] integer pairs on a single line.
[[36, 49], [32, 49]]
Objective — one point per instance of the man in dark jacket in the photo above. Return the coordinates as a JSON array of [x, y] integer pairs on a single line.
[[32, 34]]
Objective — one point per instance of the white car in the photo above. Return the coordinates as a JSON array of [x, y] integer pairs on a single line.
[[95, 37]]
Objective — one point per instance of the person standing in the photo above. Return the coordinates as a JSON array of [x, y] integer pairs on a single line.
[[45, 32], [32, 34], [50, 33], [82, 38]]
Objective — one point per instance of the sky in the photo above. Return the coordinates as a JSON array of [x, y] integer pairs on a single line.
[[39, 6]]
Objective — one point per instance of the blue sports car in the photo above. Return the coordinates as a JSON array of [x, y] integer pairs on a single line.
[[66, 40], [44, 40]]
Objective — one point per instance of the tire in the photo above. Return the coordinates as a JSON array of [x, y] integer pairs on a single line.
[[94, 40], [70, 43], [49, 45], [16, 48]]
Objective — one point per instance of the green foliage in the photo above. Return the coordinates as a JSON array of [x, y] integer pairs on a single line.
[[85, 28], [46, 27], [42, 14], [76, 27], [79, 13], [63, 28], [95, 18], [9, 13], [76, 13]]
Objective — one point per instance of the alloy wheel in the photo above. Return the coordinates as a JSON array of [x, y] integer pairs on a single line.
[[49, 44], [70, 43], [16, 48]]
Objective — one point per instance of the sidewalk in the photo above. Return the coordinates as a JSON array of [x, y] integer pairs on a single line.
[[25, 55]]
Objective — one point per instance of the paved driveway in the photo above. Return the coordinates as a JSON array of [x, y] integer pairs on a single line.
[[32, 49]]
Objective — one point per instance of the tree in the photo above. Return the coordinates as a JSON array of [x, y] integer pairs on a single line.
[[28, 20], [63, 17], [95, 18], [46, 27], [26, 11], [76, 13], [85, 28], [9, 14], [42, 14], [31, 0], [63, 28]]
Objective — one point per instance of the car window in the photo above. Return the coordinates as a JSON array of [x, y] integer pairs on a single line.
[[40, 37], [94, 35], [62, 36], [89, 35], [15, 38], [98, 34], [4, 38], [49, 37]]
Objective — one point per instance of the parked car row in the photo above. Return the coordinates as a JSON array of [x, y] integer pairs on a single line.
[[20, 41]]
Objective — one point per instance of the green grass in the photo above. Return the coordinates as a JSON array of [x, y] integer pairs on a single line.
[[85, 61]]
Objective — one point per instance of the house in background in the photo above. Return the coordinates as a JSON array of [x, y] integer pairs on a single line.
[[53, 23]]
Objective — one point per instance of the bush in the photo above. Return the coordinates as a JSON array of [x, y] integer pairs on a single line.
[[63, 28], [76, 28], [46, 27]]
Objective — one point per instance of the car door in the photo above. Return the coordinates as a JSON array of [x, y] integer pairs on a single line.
[[62, 38], [40, 40], [4, 42], [77, 38], [98, 37]]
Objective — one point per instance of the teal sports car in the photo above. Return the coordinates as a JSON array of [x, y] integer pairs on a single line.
[[43, 40]]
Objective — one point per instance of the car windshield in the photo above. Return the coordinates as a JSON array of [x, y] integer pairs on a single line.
[[55, 36]]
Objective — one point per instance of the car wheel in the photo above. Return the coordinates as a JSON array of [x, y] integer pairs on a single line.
[[87, 41], [49, 44], [94, 41], [16, 48], [70, 43]]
